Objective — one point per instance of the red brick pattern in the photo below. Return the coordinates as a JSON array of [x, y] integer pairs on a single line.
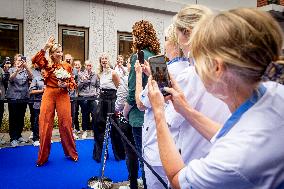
[[261, 3]]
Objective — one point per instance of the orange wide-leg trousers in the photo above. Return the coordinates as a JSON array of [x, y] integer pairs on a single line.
[[59, 100]]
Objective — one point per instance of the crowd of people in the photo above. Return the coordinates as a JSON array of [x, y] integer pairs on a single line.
[[220, 126]]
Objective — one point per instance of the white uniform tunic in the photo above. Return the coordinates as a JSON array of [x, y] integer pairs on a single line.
[[190, 143], [250, 155], [149, 139]]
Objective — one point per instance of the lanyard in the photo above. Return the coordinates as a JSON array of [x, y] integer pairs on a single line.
[[235, 117], [176, 59]]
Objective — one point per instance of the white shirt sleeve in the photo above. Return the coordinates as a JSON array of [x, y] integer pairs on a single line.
[[217, 170], [143, 96], [200, 174]]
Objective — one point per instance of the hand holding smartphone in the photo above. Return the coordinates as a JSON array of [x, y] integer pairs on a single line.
[[140, 56], [23, 58], [160, 72]]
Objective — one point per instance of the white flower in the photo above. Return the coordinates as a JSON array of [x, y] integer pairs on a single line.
[[62, 74]]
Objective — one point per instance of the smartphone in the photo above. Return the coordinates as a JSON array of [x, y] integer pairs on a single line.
[[23, 58], [7, 60], [140, 56], [159, 70]]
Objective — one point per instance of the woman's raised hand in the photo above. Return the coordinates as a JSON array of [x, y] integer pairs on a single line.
[[50, 42], [146, 68], [177, 97], [138, 68], [155, 96]]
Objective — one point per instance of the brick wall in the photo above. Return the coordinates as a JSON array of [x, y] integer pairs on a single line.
[[261, 3]]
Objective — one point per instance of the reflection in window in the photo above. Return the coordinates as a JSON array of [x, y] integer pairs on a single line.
[[124, 44], [10, 38], [74, 41]]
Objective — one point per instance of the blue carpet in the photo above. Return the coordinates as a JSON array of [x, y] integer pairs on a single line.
[[18, 168]]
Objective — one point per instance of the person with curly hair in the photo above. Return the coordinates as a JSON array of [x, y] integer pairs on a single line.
[[144, 39]]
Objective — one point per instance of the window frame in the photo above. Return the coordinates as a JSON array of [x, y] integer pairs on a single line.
[[62, 27], [21, 31], [119, 33]]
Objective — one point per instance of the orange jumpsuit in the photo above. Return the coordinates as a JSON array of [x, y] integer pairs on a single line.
[[55, 98]]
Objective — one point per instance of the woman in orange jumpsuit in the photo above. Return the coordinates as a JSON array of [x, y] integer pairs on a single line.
[[54, 97]]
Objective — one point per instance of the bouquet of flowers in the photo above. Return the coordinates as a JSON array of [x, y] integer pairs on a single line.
[[62, 74]]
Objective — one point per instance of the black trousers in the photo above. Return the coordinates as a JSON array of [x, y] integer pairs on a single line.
[[36, 125], [75, 115], [106, 105], [131, 157], [1, 112], [88, 107], [32, 115], [16, 119]]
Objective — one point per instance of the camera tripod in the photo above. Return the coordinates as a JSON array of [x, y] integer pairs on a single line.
[[103, 182]]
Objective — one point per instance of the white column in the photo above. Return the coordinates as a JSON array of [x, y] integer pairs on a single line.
[[39, 24]]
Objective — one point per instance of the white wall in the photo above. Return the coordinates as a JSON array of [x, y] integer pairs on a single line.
[[227, 4], [126, 17], [73, 12], [166, 5], [12, 9]]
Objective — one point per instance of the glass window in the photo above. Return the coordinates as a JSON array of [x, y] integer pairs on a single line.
[[11, 38], [74, 41], [124, 44]]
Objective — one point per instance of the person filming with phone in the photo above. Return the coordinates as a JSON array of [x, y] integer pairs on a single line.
[[146, 44], [18, 89]]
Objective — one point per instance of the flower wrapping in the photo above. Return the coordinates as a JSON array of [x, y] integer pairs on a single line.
[[62, 74]]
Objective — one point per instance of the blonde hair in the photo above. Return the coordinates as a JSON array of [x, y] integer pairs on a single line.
[[186, 19], [246, 40], [100, 68], [51, 50], [17, 56], [88, 62], [120, 56], [170, 34]]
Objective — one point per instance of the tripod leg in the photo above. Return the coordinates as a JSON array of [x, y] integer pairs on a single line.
[[105, 147]]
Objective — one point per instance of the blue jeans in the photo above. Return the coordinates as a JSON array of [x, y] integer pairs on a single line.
[[137, 135]]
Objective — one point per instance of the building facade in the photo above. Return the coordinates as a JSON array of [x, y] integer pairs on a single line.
[[86, 28]]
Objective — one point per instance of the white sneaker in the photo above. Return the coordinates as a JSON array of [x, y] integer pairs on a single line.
[[31, 135], [124, 187], [84, 135], [14, 143], [22, 140], [2, 142], [36, 143], [75, 136], [140, 182]]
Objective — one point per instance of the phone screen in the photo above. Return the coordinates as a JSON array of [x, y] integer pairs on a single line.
[[160, 72], [140, 55], [23, 58]]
